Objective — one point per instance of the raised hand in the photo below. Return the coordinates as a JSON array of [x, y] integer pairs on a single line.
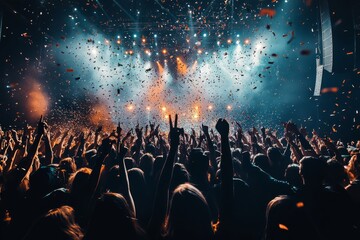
[[205, 129], [42, 126], [222, 126], [98, 130], [106, 146], [175, 132]]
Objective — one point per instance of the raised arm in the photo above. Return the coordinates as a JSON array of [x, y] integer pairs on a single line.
[[226, 165], [49, 155], [162, 191], [27, 161], [210, 146], [124, 179]]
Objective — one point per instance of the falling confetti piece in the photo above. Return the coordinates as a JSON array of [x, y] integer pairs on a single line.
[[305, 52], [70, 70], [283, 227], [331, 90], [77, 78], [267, 12], [299, 204]]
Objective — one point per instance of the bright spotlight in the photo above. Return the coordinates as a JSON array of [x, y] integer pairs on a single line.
[[94, 51], [164, 51], [210, 107], [204, 35], [130, 107], [247, 41], [229, 107], [135, 36]]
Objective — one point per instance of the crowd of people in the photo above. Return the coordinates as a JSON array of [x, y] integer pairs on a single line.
[[151, 183]]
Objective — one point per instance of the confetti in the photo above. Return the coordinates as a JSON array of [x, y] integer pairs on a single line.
[[267, 12], [283, 227], [305, 52]]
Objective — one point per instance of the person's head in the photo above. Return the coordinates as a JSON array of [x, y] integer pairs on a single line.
[[66, 168], [137, 183], [112, 217], [274, 155], [58, 224], [286, 219], [146, 164], [150, 148], [262, 161], [189, 214], [198, 163], [180, 176], [312, 171], [79, 181], [354, 166], [292, 175], [335, 173], [43, 181]]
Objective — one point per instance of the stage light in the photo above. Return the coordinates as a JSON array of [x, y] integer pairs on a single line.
[[135, 36], [229, 107], [210, 107], [118, 41], [148, 52], [238, 35], [148, 108], [247, 41], [229, 41], [237, 42], [143, 40], [118, 36], [218, 43], [155, 35], [75, 9], [94, 51], [195, 35], [204, 35], [163, 109], [199, 51], [130, 107], [164, 51]]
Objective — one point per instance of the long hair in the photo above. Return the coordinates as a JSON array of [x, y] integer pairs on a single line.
[[353, 167], [58, 224], [189, 215], [112, 216]]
